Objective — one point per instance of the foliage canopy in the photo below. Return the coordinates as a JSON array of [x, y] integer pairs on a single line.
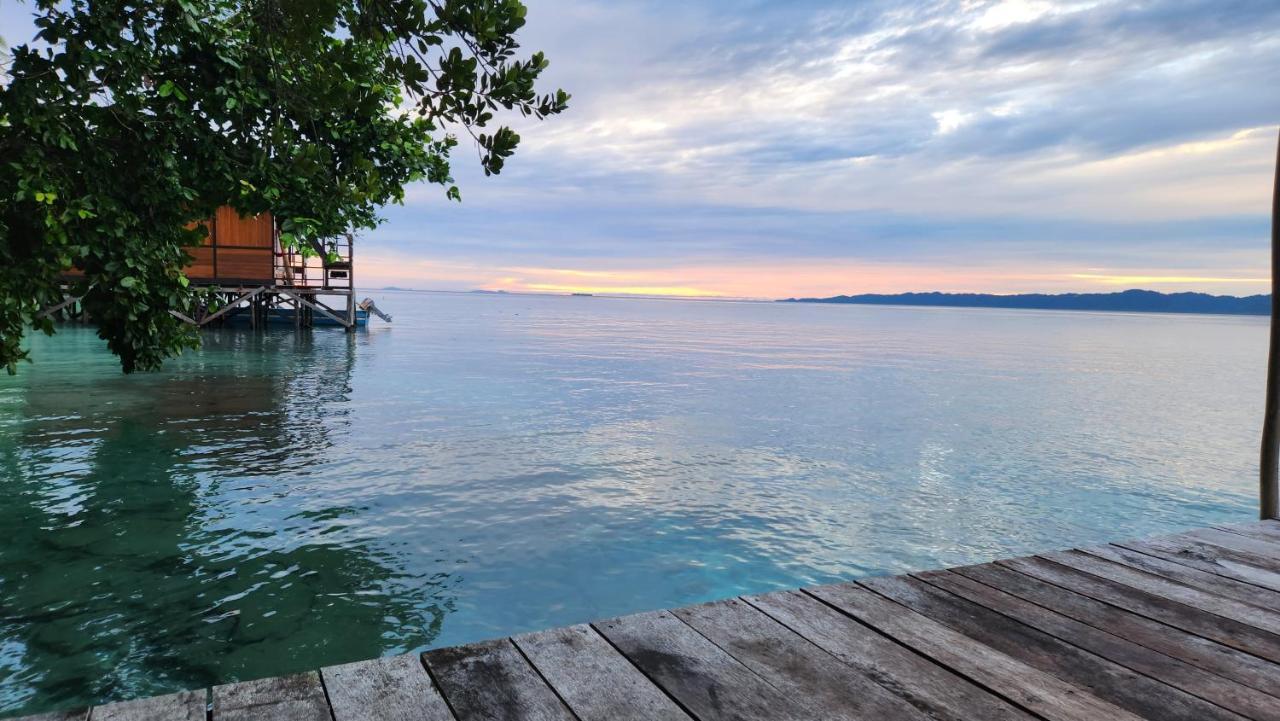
[[125, 122]]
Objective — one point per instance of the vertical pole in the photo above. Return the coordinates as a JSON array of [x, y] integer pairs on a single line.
[[1270, 471], [351, 282]]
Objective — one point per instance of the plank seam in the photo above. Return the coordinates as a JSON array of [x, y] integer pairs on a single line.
[[926, 657], [1196, 609], [1147, 616], [899, 690], [563, 702], [688, 711], [1229, 529], [324, 687], [422, 661], [1172, 558], [1080, 648], [960, 572], [729, 653]]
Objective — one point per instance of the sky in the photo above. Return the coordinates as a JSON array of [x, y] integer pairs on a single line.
[[782, 148]]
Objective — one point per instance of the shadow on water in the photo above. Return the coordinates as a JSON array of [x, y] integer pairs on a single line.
[[162, 534]]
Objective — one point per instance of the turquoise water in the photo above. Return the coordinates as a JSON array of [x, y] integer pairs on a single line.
[[496, 464]]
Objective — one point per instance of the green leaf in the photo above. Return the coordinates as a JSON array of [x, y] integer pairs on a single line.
[[302, 100]]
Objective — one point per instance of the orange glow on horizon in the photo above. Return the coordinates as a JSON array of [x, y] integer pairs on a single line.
[[661, 290], [788, 278]]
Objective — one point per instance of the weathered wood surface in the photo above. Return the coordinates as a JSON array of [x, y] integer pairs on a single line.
[[299, 697], [926, 685], [77, 715], [492, 680], [700, 675], [1214, 603], [597, 682], [1262, 531], [1183, 627], [1042, 693], [1101, 645], [1201, 652], [396, 688], [795, 666], [1207, 580], [182, 706], [1207, 557], [1225, 631]]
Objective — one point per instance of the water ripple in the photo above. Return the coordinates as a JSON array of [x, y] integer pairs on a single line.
[[490, 465]]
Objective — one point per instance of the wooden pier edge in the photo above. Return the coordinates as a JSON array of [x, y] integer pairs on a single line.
[[1184, 627]]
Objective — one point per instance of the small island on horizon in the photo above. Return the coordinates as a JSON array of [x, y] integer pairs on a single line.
[[1130, 301]]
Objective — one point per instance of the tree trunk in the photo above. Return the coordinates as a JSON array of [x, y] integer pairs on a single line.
[[1270, 472]]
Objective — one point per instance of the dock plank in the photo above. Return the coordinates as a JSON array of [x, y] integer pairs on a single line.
[[491, 680], [181, 706], [829, 688], [705, 679], [299, 697], [1251, 550], [1259, 547], [1261, 530], [929, 687], [1212, 559], [1104, 678], [1184, 627], [1201, 652], [1204, 580], [1223, 630], [1255, 616], [1202, 684], [1247, 554], [396, 688], [1037, 691], [596, 681]]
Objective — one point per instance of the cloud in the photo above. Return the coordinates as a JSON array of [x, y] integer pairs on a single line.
[[1070, 134], [1020, 141]]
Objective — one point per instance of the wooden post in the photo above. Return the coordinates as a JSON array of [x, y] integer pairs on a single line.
[[1270, 471]]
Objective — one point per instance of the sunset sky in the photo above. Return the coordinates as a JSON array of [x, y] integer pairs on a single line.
[[805, 147]]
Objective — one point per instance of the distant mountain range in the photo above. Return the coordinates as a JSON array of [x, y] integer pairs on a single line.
[[1132, 301]]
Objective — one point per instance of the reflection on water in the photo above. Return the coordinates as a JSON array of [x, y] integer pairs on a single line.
[[164, 534], [493, 465]]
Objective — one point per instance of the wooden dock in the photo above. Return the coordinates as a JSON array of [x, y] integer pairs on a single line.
[[1183, 627]]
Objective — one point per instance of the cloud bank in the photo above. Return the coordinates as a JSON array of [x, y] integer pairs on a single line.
[[803, 147]]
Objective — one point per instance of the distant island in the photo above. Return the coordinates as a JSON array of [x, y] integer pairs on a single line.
[[1132, 301]]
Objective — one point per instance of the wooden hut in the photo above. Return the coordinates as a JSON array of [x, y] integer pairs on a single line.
[[237, 250], [258, 280]]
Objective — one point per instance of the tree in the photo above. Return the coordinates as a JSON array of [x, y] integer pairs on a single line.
[[126, 122]]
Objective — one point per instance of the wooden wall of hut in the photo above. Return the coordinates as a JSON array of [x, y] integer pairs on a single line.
[[237, 250]]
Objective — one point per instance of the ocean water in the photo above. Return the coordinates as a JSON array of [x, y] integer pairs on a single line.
[[489, 465]]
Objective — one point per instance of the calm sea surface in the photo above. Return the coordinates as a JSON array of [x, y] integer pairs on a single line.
[[490, 465]]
